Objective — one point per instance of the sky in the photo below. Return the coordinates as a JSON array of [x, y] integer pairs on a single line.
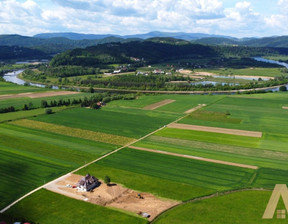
[[251, 18]]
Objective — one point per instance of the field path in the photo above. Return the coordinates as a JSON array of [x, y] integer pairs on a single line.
[[256, 134], [196, 158], [194, 108], [37, 95], [158, 104]]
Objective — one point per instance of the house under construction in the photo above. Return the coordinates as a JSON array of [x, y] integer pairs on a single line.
[[88, 182]]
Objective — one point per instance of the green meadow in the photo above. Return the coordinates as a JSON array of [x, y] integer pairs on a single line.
[[11, 88], [181, 104], [39, 157], [237, 208], [199, 178], [133, 123]]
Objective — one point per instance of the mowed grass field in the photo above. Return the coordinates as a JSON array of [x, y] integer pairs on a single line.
[[48, 207], [168, 176], [29, 158], [242, 207]]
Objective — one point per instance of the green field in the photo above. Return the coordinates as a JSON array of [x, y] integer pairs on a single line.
[[133, 123], [182, 103], [47, 207], [237, 208], [11, 88], [19, 103], [39, 157], [151, 172], [47, 146], [26, 114]]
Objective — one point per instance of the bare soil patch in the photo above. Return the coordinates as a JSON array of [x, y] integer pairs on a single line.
[[194, 108], [185, 71], [159, 104], [115, 196], [37, 95], [285, 108], [216, 130], [196, 158]]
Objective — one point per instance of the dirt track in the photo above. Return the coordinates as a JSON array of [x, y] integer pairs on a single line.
[[159, 104], [196, 158], [115, 196], [37, 95], [216, 130], [194, 108]]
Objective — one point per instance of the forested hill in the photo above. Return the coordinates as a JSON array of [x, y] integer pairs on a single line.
[[18, 53], [152, 51]]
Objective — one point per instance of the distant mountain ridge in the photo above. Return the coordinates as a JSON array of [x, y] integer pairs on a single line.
[[177, 35]]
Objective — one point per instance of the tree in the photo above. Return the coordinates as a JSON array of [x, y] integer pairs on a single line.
[[25, 107], [283, 88], [107, 180], [44, 104]]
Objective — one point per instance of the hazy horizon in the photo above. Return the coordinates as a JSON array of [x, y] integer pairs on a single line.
[[252, 18]]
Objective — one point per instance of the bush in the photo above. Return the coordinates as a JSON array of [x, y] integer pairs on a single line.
[[48, 111], [107, 180]]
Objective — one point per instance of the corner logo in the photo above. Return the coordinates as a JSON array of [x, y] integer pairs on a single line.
[[280, 190]]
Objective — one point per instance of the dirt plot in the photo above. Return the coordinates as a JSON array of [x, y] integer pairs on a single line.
[[37, 95], [159, 104], [285, 108], [196, 158], [256, 134], [194, 108], [114, 195]]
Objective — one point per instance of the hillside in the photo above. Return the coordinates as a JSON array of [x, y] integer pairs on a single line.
[[16, 53], [152, 51]]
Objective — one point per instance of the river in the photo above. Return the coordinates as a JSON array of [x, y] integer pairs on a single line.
[[13, 76]]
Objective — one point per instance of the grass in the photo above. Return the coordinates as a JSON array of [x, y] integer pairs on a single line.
[[39, 157], [26, 114], [19, 103], [74, 132], [269, 72], [48, 207], [182, 103], [242, 207], [132, 123], [11, 88], [230, 153], [267, 178], [200, 177]]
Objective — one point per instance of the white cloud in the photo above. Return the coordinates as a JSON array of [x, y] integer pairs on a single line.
[[138, 16]]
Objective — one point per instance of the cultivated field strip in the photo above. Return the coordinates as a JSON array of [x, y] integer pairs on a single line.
[[196, 158], [256, 134], [159, 104], [194, 108], [74, 132]]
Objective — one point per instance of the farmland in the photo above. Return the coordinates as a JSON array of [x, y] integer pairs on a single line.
[[241, 207], [133, 123], [55, 144], [200, 178], [39, 157]]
